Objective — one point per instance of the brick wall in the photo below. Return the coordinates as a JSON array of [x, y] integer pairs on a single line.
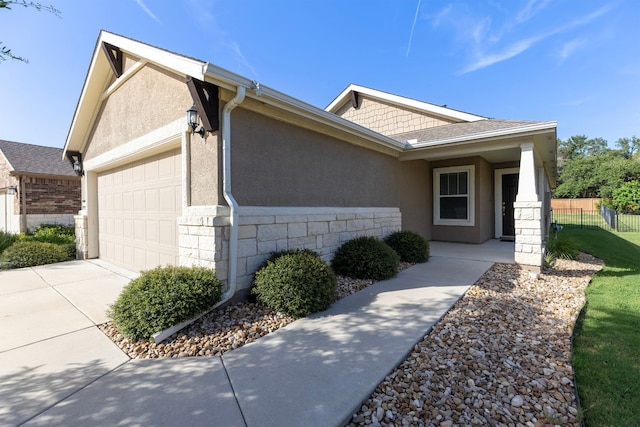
[[51, 196]]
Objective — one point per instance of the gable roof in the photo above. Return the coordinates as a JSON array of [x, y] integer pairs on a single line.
[[401, 101], [35, 159], [489, 128], [96, 88]]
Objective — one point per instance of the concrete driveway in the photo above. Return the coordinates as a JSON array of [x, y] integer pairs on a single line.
[[50, 346], [57, 368]]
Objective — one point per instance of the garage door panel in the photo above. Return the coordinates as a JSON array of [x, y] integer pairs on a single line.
[[138, 208]]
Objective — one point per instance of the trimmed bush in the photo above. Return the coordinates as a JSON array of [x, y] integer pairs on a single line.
[[366, 258], [6, 240], [164, 297], [296, 283], [27, 254], [409, 245]]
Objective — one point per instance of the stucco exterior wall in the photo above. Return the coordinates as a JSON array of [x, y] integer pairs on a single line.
[[206, 167], [279, 164], [482, 230], [388, 119], [150, 99]]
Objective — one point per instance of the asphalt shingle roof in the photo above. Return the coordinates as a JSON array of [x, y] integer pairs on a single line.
[[457, 130], [35, 159]]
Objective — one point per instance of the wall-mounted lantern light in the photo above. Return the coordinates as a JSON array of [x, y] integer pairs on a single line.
[[12, 190], [192, 120], [76, 161]]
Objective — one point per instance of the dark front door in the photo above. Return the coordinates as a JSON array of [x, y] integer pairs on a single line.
[[509, 191]]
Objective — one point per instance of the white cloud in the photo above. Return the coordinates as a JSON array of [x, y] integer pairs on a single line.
[[570, 47], [148, 11], [486, 58], [530, 10], [515, 49], [440, 16]]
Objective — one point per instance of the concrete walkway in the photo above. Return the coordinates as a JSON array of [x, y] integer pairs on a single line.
[[56, 367]]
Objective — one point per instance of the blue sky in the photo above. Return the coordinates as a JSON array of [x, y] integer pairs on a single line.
[[573, 61]]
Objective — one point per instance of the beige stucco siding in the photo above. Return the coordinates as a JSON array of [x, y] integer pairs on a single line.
[[388, 119], [280, 164], [150, 99], [484, 210], [206, 161]]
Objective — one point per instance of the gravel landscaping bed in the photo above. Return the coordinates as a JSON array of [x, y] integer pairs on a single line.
[[222, 330], [500, 357]]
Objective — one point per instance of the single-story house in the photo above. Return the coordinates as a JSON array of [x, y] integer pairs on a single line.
[[37, 186], [249, 170]]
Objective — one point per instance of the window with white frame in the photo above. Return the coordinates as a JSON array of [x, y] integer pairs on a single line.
[[453, 190]]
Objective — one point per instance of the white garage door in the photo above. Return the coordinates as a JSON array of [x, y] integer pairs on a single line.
[[138, 206]]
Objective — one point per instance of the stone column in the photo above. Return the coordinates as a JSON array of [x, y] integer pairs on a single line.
[[528, 213], [81, 226]]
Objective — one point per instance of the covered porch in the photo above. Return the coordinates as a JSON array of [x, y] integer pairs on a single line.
[[507, 183]]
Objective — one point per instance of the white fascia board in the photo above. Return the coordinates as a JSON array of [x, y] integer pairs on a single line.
[[396, 99], [163, 58], [231, 81], [99, 73], [502, 133], [90, 95]]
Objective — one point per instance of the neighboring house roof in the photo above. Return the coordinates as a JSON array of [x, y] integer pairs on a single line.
[[474, 130], [35, 159], [442, 111]]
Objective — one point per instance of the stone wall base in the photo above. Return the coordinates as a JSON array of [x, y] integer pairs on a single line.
[[204, 234], [82, 233]]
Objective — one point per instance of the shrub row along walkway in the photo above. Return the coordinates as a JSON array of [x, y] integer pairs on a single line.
[[320, 369]]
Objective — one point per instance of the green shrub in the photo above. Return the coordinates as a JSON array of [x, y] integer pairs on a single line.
[[164, 297], [53, 233], [409, 245], [296, 283], [6, 240], [559, 245], [27, 254], [366, 258]]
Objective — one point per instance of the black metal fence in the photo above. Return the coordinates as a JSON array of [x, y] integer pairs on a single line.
[[605, 218]]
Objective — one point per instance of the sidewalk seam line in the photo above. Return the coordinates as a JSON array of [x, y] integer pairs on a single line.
[[75, 392], [235, 396]]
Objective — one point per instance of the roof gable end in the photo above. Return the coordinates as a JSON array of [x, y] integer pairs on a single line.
[[347, 95]]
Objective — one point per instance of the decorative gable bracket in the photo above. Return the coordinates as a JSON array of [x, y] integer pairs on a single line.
[[206, 99], [355, 99], [115, 58]]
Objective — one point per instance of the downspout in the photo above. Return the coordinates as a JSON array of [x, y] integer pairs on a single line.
[[232, 272], [233, 216]]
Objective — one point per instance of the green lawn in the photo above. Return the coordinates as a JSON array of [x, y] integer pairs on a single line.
[[606, 354]]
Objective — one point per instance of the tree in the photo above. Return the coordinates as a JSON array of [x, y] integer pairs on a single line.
[[629, 147], [596, 175], [579, 146], [5, 52], [626, 198]]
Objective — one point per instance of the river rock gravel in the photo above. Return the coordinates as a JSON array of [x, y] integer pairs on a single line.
[[500, 357], [222, 330]]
